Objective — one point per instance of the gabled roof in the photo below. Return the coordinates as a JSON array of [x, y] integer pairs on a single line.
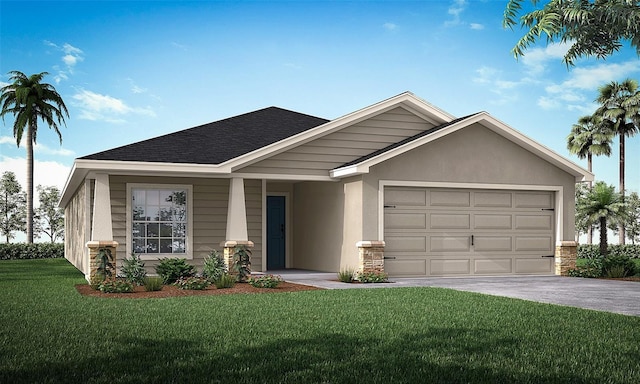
[[215, 142]]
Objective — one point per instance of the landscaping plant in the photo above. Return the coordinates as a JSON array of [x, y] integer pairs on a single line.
[[372, 277], [225, 281], [152, 283], [346, 275], [265, 281], [213, 266], [192, 283], [242, 263], [133, 269], [171, 269], [114, 285]]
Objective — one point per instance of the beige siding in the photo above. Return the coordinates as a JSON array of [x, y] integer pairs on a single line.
[[210, 202], [319, 156], [77, 230]]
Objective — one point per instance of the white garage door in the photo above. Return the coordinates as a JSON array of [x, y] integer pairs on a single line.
[[443, 232]]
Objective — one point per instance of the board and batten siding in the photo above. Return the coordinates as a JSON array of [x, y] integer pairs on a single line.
[[321, 155], [77, 228], [210, 204]]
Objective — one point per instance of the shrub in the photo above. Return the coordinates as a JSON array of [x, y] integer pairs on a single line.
[[614, 261], [591, 251], [214, 266], [152, 283], [192, 283], [103, 261], [372, 277], [225, 281], [346, 275], [96, 280], [111, 285], [171, 269], [265, 281], [616, 271], [591, 268], [242, 263], [20, 251], [133, 269]]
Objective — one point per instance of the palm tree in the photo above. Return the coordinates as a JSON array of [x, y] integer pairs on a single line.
[[600, 204], [590, 136], [28, 99], [620, 104]]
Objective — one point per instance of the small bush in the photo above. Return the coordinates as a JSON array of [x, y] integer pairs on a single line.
[[171, 269], [592, 268], [111, 285], [96, 280], [372, 277], [346, 275], [152, 283], [615, 261], [591, 251], [225, 281], [265, 281], [192, 283], [133, 269], [21, 251], [616, 271], [242, 263], [214, 266]]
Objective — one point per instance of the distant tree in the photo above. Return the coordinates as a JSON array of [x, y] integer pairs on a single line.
[[29, 99], [49, 219], [601, 204], [592, 28], [581, 219], [12, 206], [620, 104], [592, 135], [632, 219]]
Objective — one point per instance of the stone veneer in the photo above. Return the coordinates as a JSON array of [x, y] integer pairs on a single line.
[[94, 249], [371, 256], [566, 255], [229, 249]]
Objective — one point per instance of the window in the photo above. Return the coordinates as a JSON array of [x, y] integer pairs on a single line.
[[159, 220]]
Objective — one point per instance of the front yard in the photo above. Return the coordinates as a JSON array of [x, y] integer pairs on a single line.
[[50, 333]]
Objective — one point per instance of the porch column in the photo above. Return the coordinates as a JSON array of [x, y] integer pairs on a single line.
[[371, 256], [566, 255], [237, 234], [102, 247]]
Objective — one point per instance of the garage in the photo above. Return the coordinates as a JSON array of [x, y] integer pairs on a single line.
[[450, 231]]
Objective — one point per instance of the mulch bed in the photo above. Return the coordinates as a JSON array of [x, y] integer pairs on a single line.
[[173, 291]]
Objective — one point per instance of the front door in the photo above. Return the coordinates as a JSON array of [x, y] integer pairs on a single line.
[[276, 240]]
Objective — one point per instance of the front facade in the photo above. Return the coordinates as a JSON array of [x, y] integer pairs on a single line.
[[436, 195]]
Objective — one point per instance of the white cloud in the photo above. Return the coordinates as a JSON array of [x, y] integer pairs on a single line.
[[72, 56], [476, 26], [46, 173], [95, 106], [535, 59], [455, 9], [492, 79], [389, 26], [38, 148]]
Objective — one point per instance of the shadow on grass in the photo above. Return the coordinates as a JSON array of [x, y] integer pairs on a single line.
[[444, 355]]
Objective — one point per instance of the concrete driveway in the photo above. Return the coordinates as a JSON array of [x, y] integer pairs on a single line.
[[602, 295]]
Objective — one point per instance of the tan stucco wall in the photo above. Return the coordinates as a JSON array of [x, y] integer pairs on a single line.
[[471, 155]]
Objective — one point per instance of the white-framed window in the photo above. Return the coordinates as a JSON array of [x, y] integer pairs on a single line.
[[159, 220]]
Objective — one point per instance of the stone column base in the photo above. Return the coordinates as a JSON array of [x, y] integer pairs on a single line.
[[95, 250], [229, 249], [371, 256], [566, 255]]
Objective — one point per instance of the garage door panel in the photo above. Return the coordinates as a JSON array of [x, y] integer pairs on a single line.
[[492, 199], [406, 243], [450, 266], [450, 198], [406, 197], [533, 200], [534, 222], [450, 221], [493, 266], [492, 243], [539, 265], [531, 243], [488, 221], [405, 267], [450, 243], [405, 220]]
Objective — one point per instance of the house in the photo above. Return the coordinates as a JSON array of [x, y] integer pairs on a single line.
[[399, 186]]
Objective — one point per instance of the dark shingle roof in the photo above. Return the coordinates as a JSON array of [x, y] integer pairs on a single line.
[[216, 142], [405, 141]]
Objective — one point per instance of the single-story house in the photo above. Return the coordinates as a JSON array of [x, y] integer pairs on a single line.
[[400, 185]]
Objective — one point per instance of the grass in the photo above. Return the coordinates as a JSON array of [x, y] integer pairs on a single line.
[[51, 334]]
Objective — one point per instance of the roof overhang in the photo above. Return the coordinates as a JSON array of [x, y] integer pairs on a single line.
[[487, 121]]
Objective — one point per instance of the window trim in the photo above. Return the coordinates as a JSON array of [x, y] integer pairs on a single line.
[[189, 235]]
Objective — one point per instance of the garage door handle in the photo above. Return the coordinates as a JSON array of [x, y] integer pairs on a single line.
[[549, 256], [389, 257], [389, 206], [471, 239]]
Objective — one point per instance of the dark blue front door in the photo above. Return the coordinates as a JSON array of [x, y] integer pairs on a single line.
[[276, 232]]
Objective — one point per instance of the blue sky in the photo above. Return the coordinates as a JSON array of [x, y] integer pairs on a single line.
[[134, 70]]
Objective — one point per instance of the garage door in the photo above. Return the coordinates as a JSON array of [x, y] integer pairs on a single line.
[[443, 232]]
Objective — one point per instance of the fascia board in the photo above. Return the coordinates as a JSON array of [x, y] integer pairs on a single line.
[[406, 100]]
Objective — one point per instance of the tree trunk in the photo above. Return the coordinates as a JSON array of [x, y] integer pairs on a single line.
[[603, 237], [29, 147], [621, 226], [590, 168]]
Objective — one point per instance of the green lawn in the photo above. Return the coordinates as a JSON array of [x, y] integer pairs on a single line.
[[51, 334]]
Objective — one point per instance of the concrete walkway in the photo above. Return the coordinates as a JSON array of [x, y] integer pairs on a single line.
[[602, 295]]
